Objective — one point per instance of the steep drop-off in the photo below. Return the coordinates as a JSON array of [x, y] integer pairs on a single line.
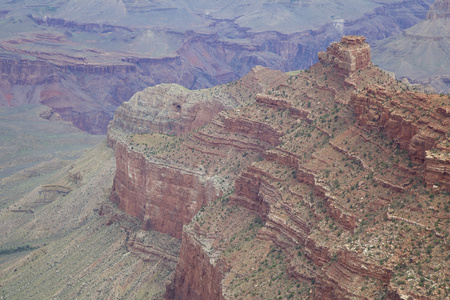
[[157, 180], [342, 206], [330, 184]]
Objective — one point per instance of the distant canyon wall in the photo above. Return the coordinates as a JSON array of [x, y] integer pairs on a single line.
[[87, 94]]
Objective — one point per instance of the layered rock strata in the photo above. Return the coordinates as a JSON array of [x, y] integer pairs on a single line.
[[348, 56], [413, 121], [164, 196], [169, 109], [328, 193], [77, 47], [297, 192], [198, 276], [153, 182]]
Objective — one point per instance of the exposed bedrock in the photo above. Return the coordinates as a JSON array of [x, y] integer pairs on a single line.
[[309, 217], [413, 121], [164, 196], [198, 274], [96, 81], [348, 56], [166, 193], [168, 109]]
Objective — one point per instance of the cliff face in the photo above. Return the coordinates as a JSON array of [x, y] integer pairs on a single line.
[[166, 185], [163, 196], [198, 276], [348, 56], [70, 90], [304, 181], [317, 216], [413, 120]]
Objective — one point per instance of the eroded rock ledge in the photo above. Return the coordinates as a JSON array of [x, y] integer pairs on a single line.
[[298, 192], [166, 192], [324, 196]]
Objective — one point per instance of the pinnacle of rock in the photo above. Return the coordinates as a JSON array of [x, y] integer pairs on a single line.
[[351, 54]]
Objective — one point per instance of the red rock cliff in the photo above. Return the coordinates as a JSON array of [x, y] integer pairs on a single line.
[[163, 187], [321, 209], [164, 196], [417, 122], [348, 56], [198, 275]]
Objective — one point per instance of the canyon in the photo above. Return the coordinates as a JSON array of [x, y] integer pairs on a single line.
[[327, 183], [420, 53], [330, 182], [56, 55]]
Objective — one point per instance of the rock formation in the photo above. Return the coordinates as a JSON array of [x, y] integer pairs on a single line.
[[169, 109], [303, 212], [439, 10], [165, 197], [167, 191], [313, 187], [348, 56]]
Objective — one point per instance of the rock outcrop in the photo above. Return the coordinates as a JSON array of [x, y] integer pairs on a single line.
[[437, 168], [169, 109], [160, 187], [413, 121], [348, 56], [198, 275], [164, 196], [296, 192], [324, 196]]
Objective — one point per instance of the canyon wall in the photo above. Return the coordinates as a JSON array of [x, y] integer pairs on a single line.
[[197, 276], [84, 70], [164, 189], [163, 196], [348, 158], [413, 121]]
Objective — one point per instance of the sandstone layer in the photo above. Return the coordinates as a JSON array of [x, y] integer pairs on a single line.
[[165, 185], [317, 217], [348, 56]]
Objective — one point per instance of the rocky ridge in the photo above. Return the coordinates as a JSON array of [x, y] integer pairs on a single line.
[[320, 188]]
